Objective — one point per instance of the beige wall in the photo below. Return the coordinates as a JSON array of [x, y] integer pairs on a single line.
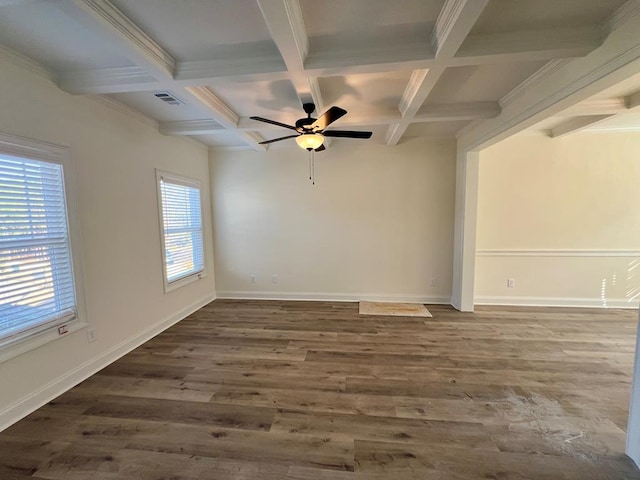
[[377, 224], [562, 218], [115, 156]]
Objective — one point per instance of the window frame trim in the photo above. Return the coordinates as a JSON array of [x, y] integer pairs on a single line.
[[187, 182], [22, 147]]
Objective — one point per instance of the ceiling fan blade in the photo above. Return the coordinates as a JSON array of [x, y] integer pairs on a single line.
[[273, 122], [277, 139], [328, 117], [346, 134], [320, 148]]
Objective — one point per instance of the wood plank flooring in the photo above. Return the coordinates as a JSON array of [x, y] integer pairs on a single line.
[[313, 391]]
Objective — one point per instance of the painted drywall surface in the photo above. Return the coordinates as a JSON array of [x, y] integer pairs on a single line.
[[377, 224], [115, 157], [560, 217]]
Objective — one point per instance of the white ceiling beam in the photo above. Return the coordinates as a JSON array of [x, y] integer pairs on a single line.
[[632, 101], [127, 39], [222, 114], [191, 127], [452, 26], [577, 124], [286, 25], [607, 106]]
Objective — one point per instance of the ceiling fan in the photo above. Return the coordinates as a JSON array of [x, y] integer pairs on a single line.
[[311, 131]]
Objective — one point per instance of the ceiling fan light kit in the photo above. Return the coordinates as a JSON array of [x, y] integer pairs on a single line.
[[310, 141]]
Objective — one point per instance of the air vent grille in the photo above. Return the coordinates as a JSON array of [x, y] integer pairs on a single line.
[[167, 98]]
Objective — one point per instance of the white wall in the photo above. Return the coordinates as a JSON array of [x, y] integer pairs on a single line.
[[115, 156], [378, 223], [562, 218]]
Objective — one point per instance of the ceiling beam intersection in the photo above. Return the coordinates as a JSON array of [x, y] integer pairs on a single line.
[[452, 26]]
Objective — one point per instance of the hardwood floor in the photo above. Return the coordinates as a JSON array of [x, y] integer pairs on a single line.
[[311, 390]]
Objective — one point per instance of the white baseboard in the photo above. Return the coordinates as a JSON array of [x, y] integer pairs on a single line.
[[38, 398], [557, 302], [333, 297]]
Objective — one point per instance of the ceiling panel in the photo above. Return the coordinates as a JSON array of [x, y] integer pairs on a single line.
[[368, 23], [435, 129], [43, 31], [153, 107], [514, 15], [481, 82], [260, 98], [201, 30], [367, 91]]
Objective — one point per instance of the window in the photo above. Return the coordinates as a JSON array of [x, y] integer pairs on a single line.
[[181, 226], [37, 282]]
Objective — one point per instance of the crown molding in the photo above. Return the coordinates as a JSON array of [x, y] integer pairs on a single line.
[[577, 124], [109, 15], [123, 109], [412, 89], [298, 30], [539, 75], [621, 16], [599, 106], [11, 56], [191, 127], [445, 22], [107, 80], [226, 116], [454, 22]]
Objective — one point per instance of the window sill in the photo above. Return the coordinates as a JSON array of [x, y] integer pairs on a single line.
[[169, 287], [13, 348]]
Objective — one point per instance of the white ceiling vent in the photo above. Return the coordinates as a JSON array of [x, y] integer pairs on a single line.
[[168, 98]]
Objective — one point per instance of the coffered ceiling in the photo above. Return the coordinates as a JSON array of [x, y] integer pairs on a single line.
[[402, 69]]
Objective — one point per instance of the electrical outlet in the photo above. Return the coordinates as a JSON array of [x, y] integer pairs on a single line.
[[274, 279], [91, 335], [511, 283], [252, 278], [434, 282]]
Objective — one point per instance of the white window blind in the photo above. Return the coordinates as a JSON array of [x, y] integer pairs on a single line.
[[36, 276], [181, 227]]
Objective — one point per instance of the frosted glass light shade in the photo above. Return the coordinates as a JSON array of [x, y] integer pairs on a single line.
[[309, 141]]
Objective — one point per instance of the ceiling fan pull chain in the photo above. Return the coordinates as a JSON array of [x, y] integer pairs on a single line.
[[309, 165], [313, 168]]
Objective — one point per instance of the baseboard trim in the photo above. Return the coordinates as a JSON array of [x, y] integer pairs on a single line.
[[557, 302], [38, 398], [332, 297]]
